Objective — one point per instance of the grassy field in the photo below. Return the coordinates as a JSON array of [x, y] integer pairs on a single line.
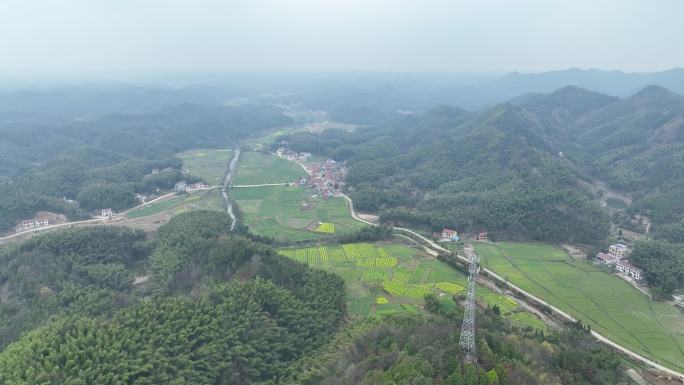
[[200, 200], [263, 168], [612, 307], [388, 278], [289, 213], [210, 165]]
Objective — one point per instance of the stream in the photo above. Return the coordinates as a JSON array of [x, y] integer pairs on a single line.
[[224, 189]]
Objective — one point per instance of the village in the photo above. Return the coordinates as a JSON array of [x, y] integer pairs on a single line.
[[450, 235], [617, 257], [325, 178], [44, 219]]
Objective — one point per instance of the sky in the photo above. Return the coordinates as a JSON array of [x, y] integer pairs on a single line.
[[58, 37]]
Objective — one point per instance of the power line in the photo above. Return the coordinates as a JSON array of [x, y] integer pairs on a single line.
[[467, 339]]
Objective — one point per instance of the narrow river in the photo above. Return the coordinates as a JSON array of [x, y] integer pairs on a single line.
[[226, 184]]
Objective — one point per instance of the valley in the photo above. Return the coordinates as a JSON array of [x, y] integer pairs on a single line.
[[494, 173]]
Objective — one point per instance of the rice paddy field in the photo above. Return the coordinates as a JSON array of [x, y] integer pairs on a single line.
[[291, 214], [263, 168], [387, 278], [210, 165], [609, 304], [199, 200]]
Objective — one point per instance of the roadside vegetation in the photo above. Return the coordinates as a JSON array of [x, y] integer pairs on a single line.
[[607, 303]]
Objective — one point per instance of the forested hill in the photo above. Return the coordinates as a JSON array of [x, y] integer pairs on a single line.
[[490, 171], [210, 307], [104, 162], [635, 145]]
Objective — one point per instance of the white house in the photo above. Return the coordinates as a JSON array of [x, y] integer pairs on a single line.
[[107, 213], [618, 250], [449, 235], [627, 268], [608, 259], [181, 187], [31, 223]]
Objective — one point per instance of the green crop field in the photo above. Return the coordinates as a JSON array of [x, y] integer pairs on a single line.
[[609, 304], [400, 276], [289, 213], [200, 200], [210, 165], [262, 168], [326, 228]]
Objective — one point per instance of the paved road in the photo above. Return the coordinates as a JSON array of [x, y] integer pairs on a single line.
[[635, 356], [257, 185], [92, 221]]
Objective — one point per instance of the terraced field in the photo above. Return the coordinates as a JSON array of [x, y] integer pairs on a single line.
[[291, 214], [610, 305], [390, 278], [210, 165]]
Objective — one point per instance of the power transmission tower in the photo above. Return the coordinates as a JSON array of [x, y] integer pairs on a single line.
[[467, 339]]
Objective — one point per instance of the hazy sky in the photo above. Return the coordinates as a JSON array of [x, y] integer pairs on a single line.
[[43, 37]]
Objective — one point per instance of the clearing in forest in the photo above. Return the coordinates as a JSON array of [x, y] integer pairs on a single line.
[[609, 304]]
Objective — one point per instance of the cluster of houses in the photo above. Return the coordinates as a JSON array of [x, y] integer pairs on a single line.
[[183, 186], [292, 155], [617, 256], [449, 235], [107, 213], [32, 223], [326, 179]]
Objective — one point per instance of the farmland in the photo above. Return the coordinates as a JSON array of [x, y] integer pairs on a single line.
[[200, 200], [610, 305], [326, 228], [262, 168], [386, 278], [210, 165], [291, 214]]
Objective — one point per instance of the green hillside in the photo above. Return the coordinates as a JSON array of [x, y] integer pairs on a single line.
[[490, 171]]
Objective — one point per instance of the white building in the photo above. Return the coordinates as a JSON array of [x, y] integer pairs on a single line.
[[32, 223], [181, 187], [107, 213], [618, 250], [627, 268], [608, 259]]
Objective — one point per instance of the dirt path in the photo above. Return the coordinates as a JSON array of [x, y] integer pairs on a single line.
[[598, 185]]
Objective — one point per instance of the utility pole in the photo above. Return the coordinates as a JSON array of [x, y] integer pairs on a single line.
[[467, 338]]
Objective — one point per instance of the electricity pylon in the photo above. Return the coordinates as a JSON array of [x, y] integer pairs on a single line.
[[467, 339]]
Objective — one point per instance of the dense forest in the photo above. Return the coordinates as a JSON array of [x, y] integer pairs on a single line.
[[423, 349], [635, 145], [195, 305], [104, 162], [234, 312], [447, 168]]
